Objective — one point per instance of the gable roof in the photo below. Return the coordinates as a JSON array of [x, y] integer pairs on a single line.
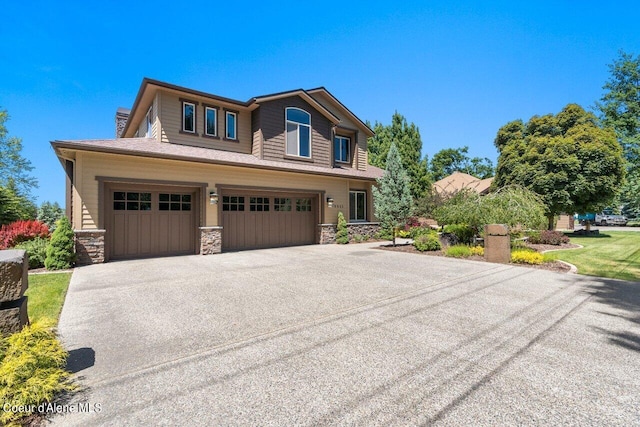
[[340, 105], [151, 148], [460, 180]]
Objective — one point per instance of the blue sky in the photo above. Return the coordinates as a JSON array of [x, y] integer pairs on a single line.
[[458, 70]]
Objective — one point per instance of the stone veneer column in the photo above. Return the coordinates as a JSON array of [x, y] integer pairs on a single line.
[[327, 233], [89, 246], [14, 280], [210, 240]]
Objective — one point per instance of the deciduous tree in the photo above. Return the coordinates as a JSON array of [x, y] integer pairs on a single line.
[[449, 160]]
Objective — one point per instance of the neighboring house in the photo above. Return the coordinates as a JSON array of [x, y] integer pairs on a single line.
[[458, 181], [192, 172]]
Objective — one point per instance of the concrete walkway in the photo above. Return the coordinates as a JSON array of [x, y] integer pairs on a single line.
[[349, 335]]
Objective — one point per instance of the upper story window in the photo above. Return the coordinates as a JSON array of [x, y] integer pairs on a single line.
[[341, 147], [149, 121], [232, 125], [188, 117], [211, 121], [298, 132]]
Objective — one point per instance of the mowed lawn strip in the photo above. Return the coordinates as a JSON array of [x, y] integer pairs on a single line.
[[613, 254], [46, 294]]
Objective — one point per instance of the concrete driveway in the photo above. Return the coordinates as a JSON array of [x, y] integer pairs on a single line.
[[348, 335]]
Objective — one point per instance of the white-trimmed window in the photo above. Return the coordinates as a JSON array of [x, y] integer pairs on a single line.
[[188, 117], [232, 125], [357, 205], [341, 148], [149, 121], [210, 121], [298, 127]]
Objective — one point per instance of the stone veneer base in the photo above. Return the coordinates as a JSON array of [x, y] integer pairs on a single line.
[[89, 246], [210, 240], [327, 232]]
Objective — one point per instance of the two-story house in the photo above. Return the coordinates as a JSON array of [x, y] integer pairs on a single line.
[[192, 172]]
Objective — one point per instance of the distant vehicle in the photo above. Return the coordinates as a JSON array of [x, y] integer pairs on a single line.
[[602, 219]]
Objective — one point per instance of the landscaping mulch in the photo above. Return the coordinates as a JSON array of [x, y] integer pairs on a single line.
[[544, 248], [556, 266]]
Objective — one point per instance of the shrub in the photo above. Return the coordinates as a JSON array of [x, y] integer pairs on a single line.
[[458, 251], [21, 231], [427, 242], [31, 370], [384, 234], [418, 231], [359, 238], [342, 234], [549, 237], [522, 256], [402, 233], [477, 250], [463, 233], [36, 250], [412, 222], [60, 253]]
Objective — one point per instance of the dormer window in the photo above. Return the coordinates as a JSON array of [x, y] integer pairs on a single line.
[[188, 117], [298, 126], [341, 148]]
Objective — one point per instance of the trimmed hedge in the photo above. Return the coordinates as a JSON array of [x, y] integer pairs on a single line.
[[548, 237]]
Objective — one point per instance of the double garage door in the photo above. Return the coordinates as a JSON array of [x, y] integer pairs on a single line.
[[151, 221], [252, 220], [148, 221]]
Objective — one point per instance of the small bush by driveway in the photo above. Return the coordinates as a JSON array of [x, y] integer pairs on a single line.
[[321, 335]]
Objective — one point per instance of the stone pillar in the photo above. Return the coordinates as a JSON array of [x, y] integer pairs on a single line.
[[327, 233], [89, 246], [497, 244], [14, 280], [210, 240]]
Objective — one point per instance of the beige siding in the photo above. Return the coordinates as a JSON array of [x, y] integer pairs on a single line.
[[256, 148], [91, 165], [171, 120]]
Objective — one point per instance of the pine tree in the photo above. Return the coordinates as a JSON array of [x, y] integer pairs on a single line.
[[60, 254], [392, 197], [342, 234]]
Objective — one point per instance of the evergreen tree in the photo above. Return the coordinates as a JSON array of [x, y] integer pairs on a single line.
[[50, 213], [342, 233], [392, 197], [407, 140], [14, 169], [60, 254]]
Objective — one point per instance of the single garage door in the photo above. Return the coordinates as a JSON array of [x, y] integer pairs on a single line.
[[252, 220], [151, 221]]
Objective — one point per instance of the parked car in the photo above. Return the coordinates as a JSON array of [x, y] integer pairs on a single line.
[[602, 219]]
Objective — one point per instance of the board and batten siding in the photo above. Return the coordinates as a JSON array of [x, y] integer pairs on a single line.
[[360, 156], [171, 121], [272, 121], [123, 166]]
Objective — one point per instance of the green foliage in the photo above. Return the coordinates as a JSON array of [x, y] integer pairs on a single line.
[[50, 213], [426, 205], [574, 165], [418, 231], [402, 233], [392, 197], [477, 250], [407, 140], [549, 237], [31, 370], [523, 256], [511, 206], [14, 169], [46, 294], [449, 160], [359, 238], [342, 233], [464, 233], [60, 254], [36, 251], [14, 206], [458, 251], [384, 234], [427, 242]]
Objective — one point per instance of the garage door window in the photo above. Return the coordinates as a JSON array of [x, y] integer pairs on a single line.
[[303, 205], [281, 204], [131, 201], [174, 202], [233, 203], [259, 204]]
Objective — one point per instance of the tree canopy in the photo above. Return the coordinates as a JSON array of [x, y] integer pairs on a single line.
[[14, 168], [409, 144], [449, 160], [392, 196], [571, 162]]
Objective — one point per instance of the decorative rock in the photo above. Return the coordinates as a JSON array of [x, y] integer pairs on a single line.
[[210, 240], [496, 230], [497, 245], [13, 316], [14, 270]]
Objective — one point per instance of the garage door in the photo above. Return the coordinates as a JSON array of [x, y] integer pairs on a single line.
[[147, 222], [253, 220]]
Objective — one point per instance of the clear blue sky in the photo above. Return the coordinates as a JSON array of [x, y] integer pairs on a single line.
[[458, 70]]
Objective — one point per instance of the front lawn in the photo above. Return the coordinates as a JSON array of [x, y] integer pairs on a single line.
[[614, 254], [46, 294]]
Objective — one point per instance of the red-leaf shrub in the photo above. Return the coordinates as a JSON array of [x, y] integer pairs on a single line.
[[548, 237], [412, 221], [21, 231]]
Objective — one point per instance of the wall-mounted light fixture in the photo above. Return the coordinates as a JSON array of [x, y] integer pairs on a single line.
[[213, 197], [329, 202]]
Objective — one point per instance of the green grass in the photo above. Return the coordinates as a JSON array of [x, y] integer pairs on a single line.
[[46, 294], [614, 254]]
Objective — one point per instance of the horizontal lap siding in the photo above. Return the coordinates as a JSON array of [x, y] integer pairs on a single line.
[[171, 119], [113, 165], [272, 120]]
